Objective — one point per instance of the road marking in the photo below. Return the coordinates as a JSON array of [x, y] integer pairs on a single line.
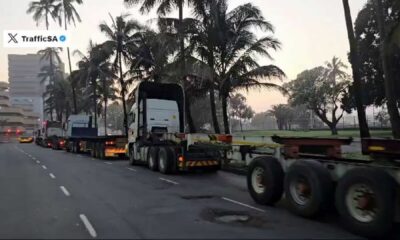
[[88, 225], [243, 204], [33, 158], [169, 181], [52, 176], [65, 191], [108, 163], [131, 169], [37, 161], [94, 159], [44, 167]]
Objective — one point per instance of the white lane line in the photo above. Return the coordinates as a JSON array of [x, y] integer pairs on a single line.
[[169, 181], [65, 191], [44, 167], [33, 158], [131, 169], [94, 159], [52, 176], [108, 163], [243, 204], [88, 225], [37, 161]]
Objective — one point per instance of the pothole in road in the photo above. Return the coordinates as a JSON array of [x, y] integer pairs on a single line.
[[234, 218]]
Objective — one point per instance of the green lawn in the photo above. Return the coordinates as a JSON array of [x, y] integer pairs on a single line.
[[313, 133]]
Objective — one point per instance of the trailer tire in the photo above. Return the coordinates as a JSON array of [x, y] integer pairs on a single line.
[[383, 189], [101, 151], [265, 180], [152, 158], [308, 188], [132, 160], [165, 160]]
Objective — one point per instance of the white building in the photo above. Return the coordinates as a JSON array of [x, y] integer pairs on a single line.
[[26, 89]]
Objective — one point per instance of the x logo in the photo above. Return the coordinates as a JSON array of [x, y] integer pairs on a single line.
[[12, 37]]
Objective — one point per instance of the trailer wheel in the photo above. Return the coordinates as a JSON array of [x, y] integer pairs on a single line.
[[308, 188], [365, 199], [101, 151], [132, 160], [152, 158], [265, 180], [165, 163]]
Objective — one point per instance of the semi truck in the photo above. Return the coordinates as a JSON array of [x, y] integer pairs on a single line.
[[157, 134], [49, 134], [314, 176], [81, 136]]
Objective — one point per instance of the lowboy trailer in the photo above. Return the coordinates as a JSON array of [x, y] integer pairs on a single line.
[[315, 177]]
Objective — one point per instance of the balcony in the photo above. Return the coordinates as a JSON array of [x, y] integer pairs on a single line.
[[4, 103]]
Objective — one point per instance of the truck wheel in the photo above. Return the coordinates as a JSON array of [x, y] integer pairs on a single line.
[[265, 180], [308, 188], [165, 163], [365, 199], [132, 160], [96, 150], [152, 158], [101, 151], [93, 151]]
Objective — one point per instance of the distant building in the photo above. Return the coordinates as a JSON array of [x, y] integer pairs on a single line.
[[26, 88], [14, 119]]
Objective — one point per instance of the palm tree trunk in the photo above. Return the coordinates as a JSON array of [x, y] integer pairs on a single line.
[[389, 78], [121, 82], [355, 64], [105, 89], [51, 83], [70, 68], [105, 116], [94, 101], [225, 114], [189, 118], [214, 111], [212, 93]]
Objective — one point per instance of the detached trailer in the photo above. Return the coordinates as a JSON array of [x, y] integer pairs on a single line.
[[82, 137], [315, 177], [156, 132]]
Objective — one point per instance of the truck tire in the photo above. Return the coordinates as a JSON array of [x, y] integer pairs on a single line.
[[152, 158], [101, 151], [165, 160], [308, 188], [93, 151], [132, 160], [365, 199], [265, 180]]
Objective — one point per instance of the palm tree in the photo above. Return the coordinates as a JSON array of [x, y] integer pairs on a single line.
[[149, 56], [120, 35], [49, 54], [334, 70], [388, 76], [91, 67], [227, 41], [165, 7], [107, 92], [67, 9], [58, 96], [355, 64], [42, 10]]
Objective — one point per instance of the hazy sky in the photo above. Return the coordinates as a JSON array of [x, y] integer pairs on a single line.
[[311, 32]]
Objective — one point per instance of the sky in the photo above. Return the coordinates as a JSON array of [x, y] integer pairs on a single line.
[[311, 33]]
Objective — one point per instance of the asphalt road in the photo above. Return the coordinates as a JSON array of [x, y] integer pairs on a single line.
[[55, 194]]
